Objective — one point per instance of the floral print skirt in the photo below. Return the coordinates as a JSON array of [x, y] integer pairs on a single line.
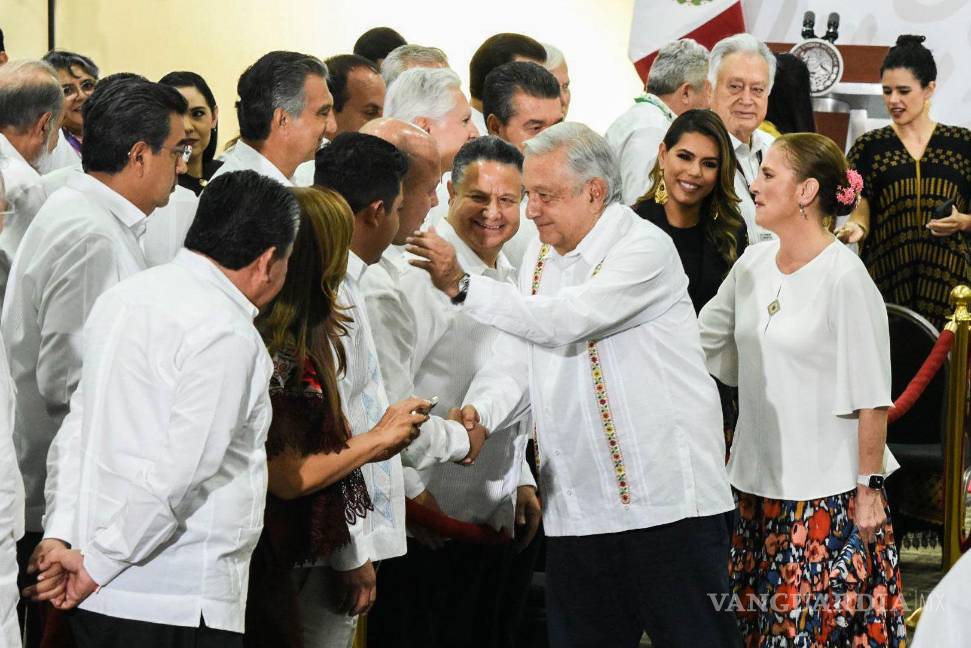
[[802, 577]]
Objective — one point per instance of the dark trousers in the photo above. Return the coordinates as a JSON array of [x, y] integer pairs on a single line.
[[93, 630], [460, 595], [29, 614], [607, 590]]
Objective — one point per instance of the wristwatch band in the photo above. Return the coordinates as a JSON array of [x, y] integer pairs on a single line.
[[463, 289], [871, 481]]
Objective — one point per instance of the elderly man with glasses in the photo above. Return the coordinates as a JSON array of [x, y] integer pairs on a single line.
[[83, 241], [741, 72]]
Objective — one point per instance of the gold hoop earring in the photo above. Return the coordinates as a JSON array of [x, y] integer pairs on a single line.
[[661, 192]]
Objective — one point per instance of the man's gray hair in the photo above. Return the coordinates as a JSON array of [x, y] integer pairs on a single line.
[[422, 92], [740, 43], [28, 90], [554, 57], [405, 57], [678, 62], [588, 154]]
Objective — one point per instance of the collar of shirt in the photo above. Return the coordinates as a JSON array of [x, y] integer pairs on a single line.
[[7, 150], [202, 267], [470, 261], [657, 102], [594, 246], [355, 267], [120, 207], [759, 143], [248, 157]]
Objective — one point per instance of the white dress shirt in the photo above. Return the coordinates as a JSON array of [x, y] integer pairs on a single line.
[[62, 157], [165, 228], [438, 213], [654, 452], [635, 137], [803, 372], [478, 119], [749, 160], [393, 323], [243, 157], [159, 471], [449, 348], [381, 534], [83, 241], [25, 195], [11, 512]]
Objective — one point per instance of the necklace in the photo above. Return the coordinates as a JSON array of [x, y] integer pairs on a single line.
[[774, 307]]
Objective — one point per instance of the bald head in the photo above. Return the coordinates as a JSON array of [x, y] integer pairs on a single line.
[[418, 189]]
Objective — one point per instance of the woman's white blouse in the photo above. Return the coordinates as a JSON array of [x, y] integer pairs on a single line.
[[803, 372]]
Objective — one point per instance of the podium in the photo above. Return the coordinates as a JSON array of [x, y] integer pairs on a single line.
[[855, 104]]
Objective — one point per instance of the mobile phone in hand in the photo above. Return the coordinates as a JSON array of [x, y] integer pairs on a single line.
[[944, 209]]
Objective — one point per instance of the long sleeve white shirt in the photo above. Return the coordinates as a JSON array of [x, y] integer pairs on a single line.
[[11, 512], [803, 372], [24, 195], [450, 347], [393, 327], [83, 241], [381, 534], [635, 137], [629, 436], [160, 468]]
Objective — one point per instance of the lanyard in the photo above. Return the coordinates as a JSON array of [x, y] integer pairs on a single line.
[[738, 165]]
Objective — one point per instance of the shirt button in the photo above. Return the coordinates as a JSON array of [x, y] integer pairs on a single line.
[[570, 492], [556, 452]]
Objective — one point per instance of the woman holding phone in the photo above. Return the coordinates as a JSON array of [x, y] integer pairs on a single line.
[[910, 169]]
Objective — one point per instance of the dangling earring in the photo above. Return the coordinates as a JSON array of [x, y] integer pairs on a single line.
[[661, 193], [802, 210], [714, 215]]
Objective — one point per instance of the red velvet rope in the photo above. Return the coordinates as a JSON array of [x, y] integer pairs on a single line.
[[447, 527], [919, 383]]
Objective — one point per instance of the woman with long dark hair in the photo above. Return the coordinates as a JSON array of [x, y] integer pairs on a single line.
[[692, 198], [316, 489], [201, 127]]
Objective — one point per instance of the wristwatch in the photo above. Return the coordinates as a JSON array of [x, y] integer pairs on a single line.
[[463, 289], [871, 481]]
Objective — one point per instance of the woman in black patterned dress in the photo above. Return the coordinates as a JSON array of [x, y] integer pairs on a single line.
[[911, 168]]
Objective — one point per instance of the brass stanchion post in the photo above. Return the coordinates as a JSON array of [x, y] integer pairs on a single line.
[[957, 389]]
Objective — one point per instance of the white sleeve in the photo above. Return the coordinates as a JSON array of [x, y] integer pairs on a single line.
[[858, 321], [716, 322], [11, 515], [211, 400], [637, 283], [636, 159], [64, 473], [500, 390]]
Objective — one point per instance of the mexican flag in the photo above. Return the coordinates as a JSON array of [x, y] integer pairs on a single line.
[[657, 22]]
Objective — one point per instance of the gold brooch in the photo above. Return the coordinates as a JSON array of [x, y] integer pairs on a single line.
[[774, 307]]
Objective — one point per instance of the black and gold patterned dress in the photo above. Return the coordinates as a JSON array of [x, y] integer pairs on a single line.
[[910, 266]]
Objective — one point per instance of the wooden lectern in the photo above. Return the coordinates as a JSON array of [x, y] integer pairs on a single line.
[[861, 65]]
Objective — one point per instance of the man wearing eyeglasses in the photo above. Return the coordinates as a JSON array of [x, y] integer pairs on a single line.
[[84, 240]]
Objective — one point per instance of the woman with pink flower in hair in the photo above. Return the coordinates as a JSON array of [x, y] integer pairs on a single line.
[[801, 328]]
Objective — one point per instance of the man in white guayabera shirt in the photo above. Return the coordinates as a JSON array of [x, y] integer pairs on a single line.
[[83, 240], [741, 72], [604, 347], [158, 476], [441, 593]]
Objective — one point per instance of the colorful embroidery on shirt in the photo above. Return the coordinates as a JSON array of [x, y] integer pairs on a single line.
[[600, 391]]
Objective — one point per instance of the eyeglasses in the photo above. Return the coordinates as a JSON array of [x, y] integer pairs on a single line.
[[183, 151], [71, 90]]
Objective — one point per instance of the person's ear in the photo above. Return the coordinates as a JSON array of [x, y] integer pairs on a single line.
[[662, 150], [808, 191], [137, 156], [215, 116], [264, 264], [493, 125], [373, 215], [280, 118], [423, 123], [597, 192], [452, 191]]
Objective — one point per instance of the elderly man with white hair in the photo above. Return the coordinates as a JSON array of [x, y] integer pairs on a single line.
[[741, 72], [408, 56], [602, 347], [31, 105], [556, 64], [677, 82], [432, 99]]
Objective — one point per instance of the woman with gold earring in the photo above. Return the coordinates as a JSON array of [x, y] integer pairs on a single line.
[[692, 198], [910, 169]]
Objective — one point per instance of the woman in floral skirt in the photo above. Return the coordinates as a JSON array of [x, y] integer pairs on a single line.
[[802, 330]]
